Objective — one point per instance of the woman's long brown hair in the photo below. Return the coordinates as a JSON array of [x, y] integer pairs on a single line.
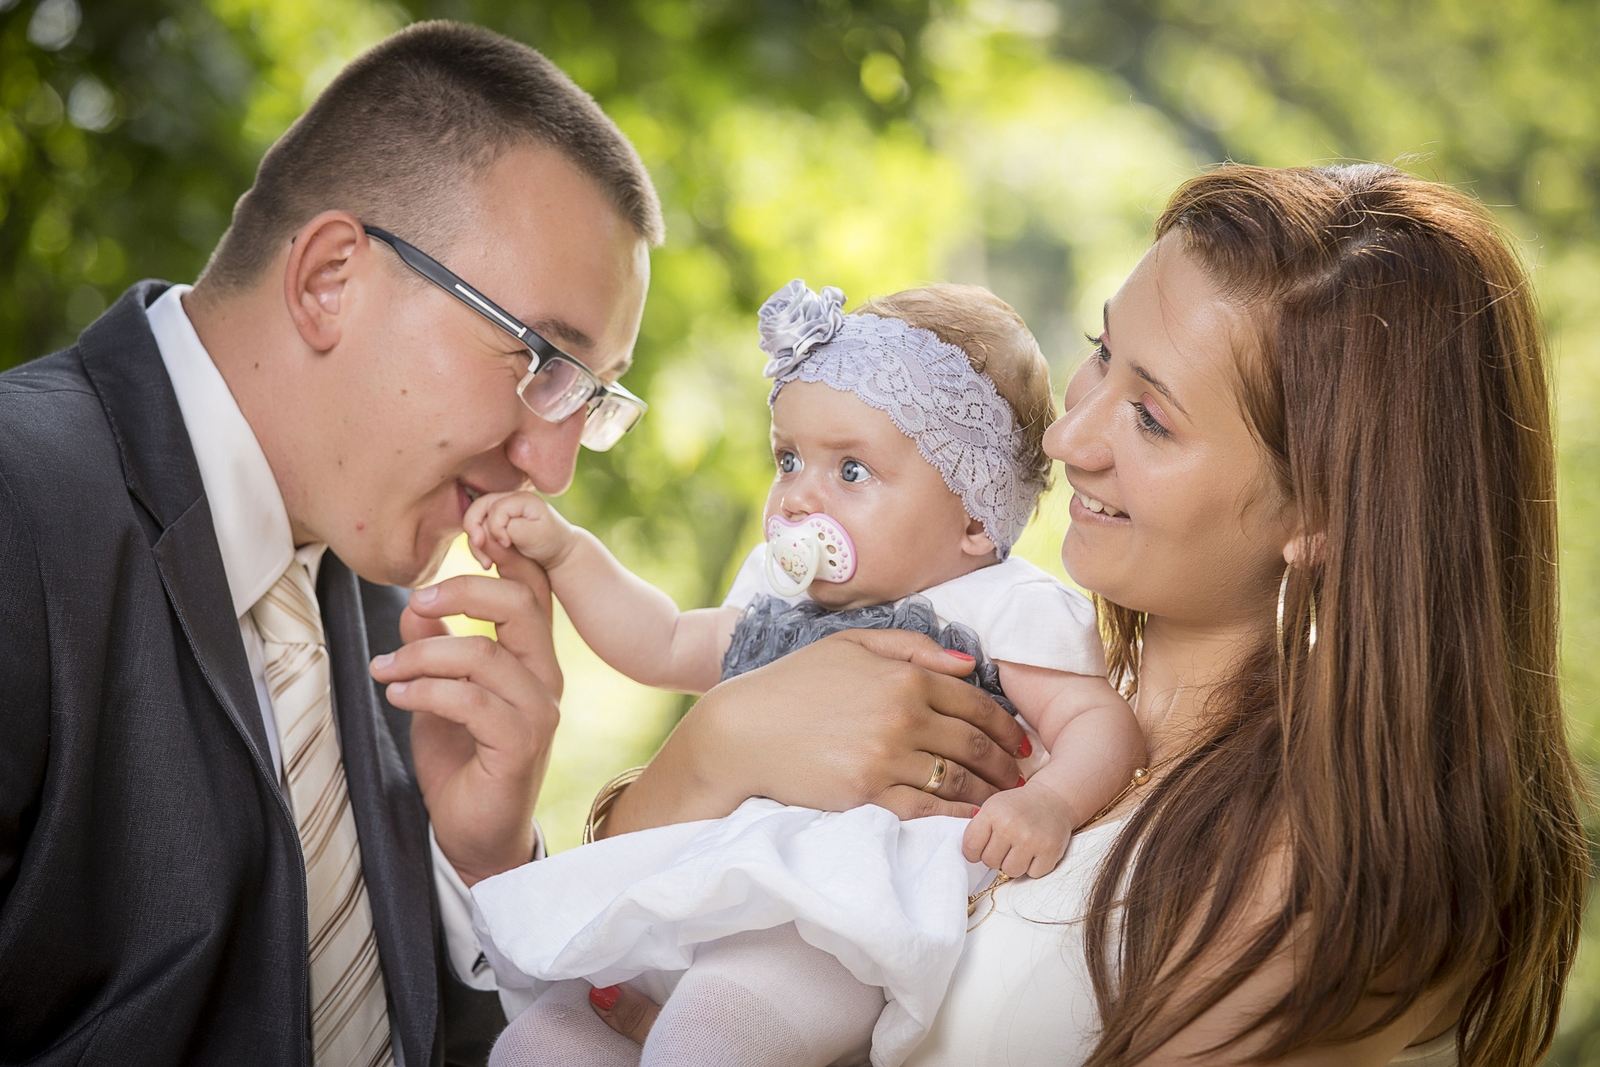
[[1408, 780]]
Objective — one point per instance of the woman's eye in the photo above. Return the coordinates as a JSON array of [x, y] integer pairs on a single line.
[[788, 463], [1100, 354], [1148, 423], [854, 471]]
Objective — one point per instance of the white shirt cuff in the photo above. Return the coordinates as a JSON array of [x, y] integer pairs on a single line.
[[455, 911]]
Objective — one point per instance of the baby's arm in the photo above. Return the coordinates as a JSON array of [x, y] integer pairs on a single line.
[[628, 622], [1095, 745]]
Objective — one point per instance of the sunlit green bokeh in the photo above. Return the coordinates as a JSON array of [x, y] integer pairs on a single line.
[[872, 144]]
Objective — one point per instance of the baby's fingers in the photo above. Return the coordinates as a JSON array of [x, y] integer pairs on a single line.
[[500, 517], [1042, 865], [976, 838], [473, 523]]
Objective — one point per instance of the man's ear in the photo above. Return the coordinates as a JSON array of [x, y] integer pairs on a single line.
[[316, 274], [975, 542]]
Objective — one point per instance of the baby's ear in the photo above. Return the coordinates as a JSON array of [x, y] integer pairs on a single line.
[[975, 542]]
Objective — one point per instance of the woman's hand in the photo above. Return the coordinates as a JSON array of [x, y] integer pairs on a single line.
[[856, 718], [484, 711]]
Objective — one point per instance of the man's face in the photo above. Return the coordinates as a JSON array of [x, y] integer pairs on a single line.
[[418, 399]]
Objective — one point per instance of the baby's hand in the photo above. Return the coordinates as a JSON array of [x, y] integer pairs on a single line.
[[1020, 831], [518, 520]]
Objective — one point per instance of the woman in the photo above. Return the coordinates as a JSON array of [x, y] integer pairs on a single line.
[[1315, 494]]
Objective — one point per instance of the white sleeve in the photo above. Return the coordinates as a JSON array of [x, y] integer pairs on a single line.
[[1045, 624], [751, 580], [455, 912]]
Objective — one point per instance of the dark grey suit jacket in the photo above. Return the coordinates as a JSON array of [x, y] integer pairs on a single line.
[[152, 890]]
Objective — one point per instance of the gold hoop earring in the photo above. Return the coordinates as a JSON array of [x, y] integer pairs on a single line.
[[1311, 631]]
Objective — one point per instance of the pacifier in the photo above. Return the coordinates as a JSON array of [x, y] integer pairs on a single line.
[[815, 549]]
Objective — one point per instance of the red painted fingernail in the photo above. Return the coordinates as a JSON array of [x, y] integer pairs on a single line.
[[605, 998], [1021, 781], [1025, 749], [974, 813], [959, 655]]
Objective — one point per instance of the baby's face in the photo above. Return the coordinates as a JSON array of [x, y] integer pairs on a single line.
[[837, 456]]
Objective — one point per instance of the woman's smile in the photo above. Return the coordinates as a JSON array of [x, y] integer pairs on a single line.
[[1086, 508]]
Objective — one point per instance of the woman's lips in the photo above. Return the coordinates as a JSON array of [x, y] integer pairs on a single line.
[[1088, 509]]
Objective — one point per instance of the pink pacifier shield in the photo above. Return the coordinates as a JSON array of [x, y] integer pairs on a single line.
[[815, 549]]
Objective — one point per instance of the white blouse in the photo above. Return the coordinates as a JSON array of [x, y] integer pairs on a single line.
[[1021, 994]]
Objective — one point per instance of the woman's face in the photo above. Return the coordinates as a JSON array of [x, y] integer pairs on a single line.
[[1174, 511]]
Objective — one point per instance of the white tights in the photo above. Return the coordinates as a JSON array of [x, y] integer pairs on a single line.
[[759, 999]]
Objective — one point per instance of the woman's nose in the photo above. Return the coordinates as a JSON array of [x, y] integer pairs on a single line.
[[547, 452], [1078, 438]]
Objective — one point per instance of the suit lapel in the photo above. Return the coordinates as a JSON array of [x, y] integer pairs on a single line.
[[122, 360], [391, 822]]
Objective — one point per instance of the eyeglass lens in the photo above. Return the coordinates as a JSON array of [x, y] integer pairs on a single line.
[[555, 390], [608, 422]]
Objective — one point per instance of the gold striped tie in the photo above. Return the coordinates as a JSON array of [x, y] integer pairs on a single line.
[[349, 1014]]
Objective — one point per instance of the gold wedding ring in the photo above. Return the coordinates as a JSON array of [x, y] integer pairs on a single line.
[[939, 768]]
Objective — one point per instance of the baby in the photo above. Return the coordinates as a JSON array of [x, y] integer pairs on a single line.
[[907, 438]]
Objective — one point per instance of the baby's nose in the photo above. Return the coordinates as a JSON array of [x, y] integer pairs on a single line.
[[800, 499]]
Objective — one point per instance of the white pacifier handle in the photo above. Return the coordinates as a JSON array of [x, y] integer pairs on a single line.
[[781, 582], [815, 549]]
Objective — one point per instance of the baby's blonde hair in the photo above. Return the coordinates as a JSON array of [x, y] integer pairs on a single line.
[[998, 344]]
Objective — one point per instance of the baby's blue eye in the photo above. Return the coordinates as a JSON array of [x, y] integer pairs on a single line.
[[853, 471], [788, 463]]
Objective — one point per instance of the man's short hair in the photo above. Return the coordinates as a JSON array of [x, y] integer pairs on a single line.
[[409, 121]]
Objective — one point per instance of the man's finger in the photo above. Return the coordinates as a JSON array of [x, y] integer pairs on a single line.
[[626, 1010], [495, 726], [473, 658], [521, 618], [414, 627]]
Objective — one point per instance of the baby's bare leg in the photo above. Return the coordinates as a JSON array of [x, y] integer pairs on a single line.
[[562, 1029], [764, 998]]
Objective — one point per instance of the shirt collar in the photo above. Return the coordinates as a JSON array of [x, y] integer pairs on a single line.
[[247, 511]]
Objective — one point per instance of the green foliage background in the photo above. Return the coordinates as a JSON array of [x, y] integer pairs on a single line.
[[873, 144]]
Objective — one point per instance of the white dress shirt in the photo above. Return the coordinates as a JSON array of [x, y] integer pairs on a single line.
[[253, 534]]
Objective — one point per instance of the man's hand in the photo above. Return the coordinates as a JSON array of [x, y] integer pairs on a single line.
[[484, 711]]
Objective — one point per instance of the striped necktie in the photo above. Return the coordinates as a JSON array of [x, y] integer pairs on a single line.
[[349, 1015]]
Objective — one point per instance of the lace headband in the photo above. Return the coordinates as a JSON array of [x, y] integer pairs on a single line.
[[928, 388]]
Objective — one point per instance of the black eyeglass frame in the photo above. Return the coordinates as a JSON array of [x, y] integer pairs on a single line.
[[540, 349]]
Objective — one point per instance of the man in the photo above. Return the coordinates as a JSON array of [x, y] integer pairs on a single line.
[[219, 842]]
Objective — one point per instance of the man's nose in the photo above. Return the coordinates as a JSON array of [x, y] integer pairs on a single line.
[[546, 451]]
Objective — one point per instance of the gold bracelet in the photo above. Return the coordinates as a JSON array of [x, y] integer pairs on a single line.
[[606, 799]]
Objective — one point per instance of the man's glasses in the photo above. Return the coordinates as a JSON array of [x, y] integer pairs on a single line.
[[556, 385]]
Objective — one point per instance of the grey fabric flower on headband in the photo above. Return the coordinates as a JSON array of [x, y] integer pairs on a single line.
[[795, 320]]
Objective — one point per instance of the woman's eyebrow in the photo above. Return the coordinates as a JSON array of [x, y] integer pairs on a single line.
[[1159, 386], [1155, 383]]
